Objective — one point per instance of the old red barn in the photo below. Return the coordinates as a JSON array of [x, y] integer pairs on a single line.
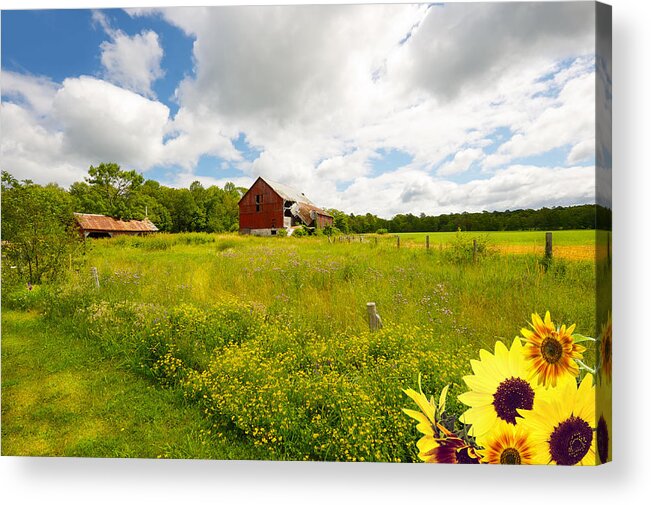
[[269, 206]]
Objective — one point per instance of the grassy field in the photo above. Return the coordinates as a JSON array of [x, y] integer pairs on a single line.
[[567, 244], [561, 237], [264, 341]]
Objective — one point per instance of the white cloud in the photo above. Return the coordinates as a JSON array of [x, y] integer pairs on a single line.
[[195, 134], [461, 161], [132, 62], [30, 151], [514, 187], [36, 92], [104, 122], [583, 151], [463, 48], [568, 119]]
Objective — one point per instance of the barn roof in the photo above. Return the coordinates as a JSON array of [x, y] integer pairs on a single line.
[[285, 192], [98, 222], [288, 193], [308, 212]]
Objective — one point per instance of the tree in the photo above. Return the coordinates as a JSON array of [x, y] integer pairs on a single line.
[[117, 190], [340, 220], [38, 226]]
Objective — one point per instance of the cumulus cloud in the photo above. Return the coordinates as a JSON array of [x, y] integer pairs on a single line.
[[566, 120], [31, 151], [461, 161], [461, 47], [103, 121], [514, 187], [132, 62], [34, 92]]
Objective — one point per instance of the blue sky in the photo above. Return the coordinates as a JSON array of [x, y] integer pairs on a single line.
[[430, 103]]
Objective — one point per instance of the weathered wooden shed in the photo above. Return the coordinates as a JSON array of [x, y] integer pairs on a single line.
[[269, 206], [99, 226]]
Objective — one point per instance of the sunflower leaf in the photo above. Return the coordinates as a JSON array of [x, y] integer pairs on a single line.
[[581, 338]]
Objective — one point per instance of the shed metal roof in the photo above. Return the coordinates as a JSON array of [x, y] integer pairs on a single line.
[[98, 222]]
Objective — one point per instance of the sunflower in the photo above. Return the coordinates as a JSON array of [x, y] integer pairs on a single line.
[[562, 425], [605, 350], [499, 387], [448, 449], [438, 444], [604, 429], [508, 445], [550, 351]]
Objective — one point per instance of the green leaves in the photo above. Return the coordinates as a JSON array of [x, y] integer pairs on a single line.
[[581, 338]]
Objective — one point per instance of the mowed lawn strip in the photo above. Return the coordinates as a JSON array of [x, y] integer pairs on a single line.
[[61, 397]]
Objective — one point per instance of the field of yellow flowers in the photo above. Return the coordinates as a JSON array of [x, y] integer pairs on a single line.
[[268, 337]]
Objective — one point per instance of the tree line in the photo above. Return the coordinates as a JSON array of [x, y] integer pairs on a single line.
[[577, 217]]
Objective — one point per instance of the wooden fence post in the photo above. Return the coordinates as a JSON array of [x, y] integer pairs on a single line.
[[474, 250], [398, 237], [93, 272], [548, 244], [374, 321], [427, 242], [375, 240]]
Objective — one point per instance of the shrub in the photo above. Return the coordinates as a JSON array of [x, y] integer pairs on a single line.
[[299, 232], [462, 248], [382, 231], [329, 230]]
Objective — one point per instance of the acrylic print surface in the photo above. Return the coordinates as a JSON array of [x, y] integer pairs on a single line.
[[370, 233]]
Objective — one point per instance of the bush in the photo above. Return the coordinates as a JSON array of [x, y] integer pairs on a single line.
[[300, 232], [329, 230], [282, 232], [461, 249], [382, 231]]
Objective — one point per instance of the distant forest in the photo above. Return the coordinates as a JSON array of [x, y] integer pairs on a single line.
[[111, 191], [578, 217]]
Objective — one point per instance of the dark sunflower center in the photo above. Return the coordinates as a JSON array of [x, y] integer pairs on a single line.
[[602, 439], [570, 441], [551, 350], [510, 456], [607, 349], [464, 458], [512, 394]]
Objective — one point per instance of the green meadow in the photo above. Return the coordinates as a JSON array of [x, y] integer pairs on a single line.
[[224, 346], [560, 237]]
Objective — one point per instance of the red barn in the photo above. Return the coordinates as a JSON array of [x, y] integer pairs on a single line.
[[269, 206]]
